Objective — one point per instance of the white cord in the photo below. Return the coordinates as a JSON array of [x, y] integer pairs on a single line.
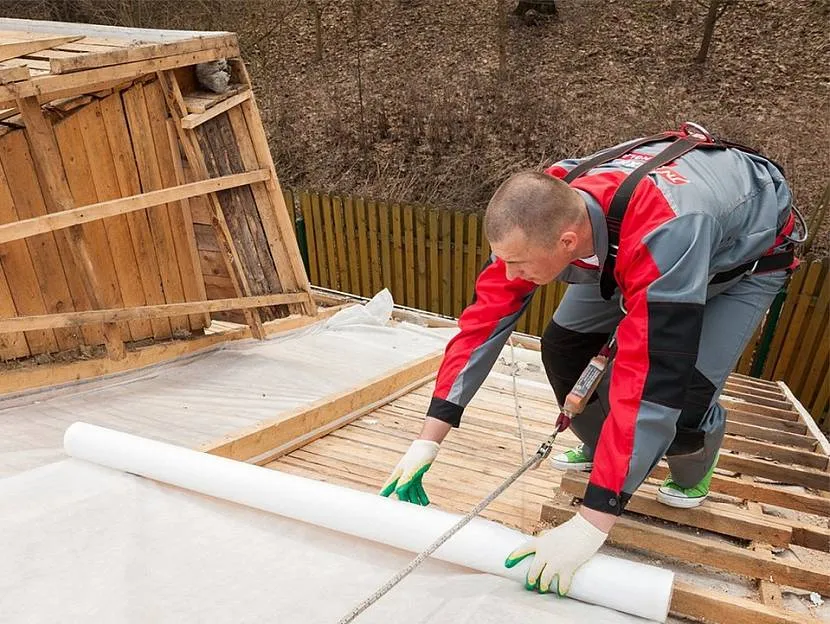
[[516, 407]]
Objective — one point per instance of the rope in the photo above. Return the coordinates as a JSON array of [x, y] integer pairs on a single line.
[[537, 457], [516, 409]]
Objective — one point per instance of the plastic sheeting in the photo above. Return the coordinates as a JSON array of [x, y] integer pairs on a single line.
[[203, 397], [87, 544]]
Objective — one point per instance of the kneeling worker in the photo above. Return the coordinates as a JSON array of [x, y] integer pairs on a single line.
[[679, 243]]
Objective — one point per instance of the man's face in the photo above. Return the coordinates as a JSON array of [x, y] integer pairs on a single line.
[[531, 261]]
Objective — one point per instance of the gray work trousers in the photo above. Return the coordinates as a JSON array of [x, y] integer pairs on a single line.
[[584, 320]]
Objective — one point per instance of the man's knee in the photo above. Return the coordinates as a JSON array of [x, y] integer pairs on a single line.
[[565, 353]]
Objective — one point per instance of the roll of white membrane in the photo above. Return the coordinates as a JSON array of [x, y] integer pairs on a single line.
[[482, 545]]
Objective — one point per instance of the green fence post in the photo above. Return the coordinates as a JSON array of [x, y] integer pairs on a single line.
[[769, 332]]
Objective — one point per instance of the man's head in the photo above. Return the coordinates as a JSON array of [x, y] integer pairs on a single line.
[[537, 225]]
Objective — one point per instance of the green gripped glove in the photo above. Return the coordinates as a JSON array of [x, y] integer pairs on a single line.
[[406, 478]]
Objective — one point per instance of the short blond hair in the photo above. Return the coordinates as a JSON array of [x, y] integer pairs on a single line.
[[538, 204]]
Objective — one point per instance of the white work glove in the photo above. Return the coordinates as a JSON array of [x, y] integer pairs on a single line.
[[559, 554], [406, 478]]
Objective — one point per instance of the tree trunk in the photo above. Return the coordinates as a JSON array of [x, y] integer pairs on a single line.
[[708, 30]]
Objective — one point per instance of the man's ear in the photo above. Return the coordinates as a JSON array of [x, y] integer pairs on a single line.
[[568, 239]]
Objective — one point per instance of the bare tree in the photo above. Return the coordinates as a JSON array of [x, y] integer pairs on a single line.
[[315, 8], [714, 12]]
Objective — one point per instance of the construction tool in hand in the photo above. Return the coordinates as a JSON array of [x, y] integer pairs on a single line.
[[573, 405]]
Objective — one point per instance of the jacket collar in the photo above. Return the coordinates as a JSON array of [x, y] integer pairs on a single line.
[[598, 226]]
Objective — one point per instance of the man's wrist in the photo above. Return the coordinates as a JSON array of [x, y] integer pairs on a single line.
[[601, 520], [434, 429]]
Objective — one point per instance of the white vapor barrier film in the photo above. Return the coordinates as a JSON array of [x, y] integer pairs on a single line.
[[201, 398], [482, 545]]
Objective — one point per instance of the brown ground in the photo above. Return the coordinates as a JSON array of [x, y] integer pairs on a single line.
[[413, 101]]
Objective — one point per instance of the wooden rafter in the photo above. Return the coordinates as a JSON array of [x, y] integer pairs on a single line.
[[269, 440], [13, 49], [93, 212]]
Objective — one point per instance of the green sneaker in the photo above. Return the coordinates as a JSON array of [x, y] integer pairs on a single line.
[[573, 459], [674, 495]]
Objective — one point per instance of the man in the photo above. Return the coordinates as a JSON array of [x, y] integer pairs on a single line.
[[678, 243]]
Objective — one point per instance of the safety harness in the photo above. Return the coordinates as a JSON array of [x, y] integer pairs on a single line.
[[690, 137]]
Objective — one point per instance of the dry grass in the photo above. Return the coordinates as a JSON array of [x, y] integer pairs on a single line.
[[436, 102]]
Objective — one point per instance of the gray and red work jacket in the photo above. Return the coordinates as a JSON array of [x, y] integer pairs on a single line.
[[703, 214]]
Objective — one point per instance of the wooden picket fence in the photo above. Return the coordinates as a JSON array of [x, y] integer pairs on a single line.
[[429, 259]]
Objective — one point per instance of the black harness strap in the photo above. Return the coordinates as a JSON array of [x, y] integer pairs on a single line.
[[683, 142]]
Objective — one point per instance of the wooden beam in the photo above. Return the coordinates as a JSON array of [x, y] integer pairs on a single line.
[[806, 418], [58, 198], [767, 434], [73, 319], [739, 404], [101, 210], [196, 119], [793, 475], [13, 74], [761, 492], [45, 375], [81, 81], [707, 516], [770, 422], [273, 438], [688, 548], [22, 48], [140, 53], [714, 607], [774, 452]]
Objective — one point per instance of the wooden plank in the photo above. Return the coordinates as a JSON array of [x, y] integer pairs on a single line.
[[782, 328], [194, 120], [351, 246], [736, 403], [470, 261], [686, 548], [320, 240], [807, 419], [11, 345], [126, 171], [806, 477], [768, 422], [13, 73], [715, 607], [311, 241], [27, 378], [105, 181], [140, 53], [776, 453], [814, 334], [420, 224], [409, 253], [138, 116], [86, 80], [22, 184], [331, 252], [122, 205], [199, 168], [70, 319], [21, 279], [458, 264], [22, 48], [760, 492], [69, 134], [340, 245], [385, 242], [278, 225], [374, 247], [813, 387], [278, 434], [267, 211], [434, 266], [221, 153], [168, 157], [398, 286], [446, 263], [707, 516], [366, 266], [771, 435], [57, 195], [809, 287]]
